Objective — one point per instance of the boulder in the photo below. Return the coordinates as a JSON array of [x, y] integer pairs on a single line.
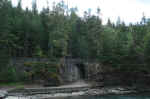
[[3, 94]]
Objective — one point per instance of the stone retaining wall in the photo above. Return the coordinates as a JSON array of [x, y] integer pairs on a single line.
[[70, 70]]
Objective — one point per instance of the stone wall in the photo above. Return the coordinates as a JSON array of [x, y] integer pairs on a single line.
[[21, 60], [18, 62], [70, 70], [89, 71], [94, 71]]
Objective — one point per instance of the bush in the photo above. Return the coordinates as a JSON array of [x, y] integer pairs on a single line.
[[49, 72], [8, 75]]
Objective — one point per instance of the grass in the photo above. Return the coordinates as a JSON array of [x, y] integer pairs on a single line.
[[17, 84]]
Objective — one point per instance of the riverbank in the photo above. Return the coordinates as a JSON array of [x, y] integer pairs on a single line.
[[79, 88], [70, 92]]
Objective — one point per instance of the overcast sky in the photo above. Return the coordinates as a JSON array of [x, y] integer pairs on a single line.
[[127, 10]]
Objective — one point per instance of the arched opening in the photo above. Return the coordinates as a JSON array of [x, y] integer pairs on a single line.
[[82, 72]]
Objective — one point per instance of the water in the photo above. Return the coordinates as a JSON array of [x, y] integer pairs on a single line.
[[142, 96]]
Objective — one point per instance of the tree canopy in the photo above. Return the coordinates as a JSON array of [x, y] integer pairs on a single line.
[[60, 32]]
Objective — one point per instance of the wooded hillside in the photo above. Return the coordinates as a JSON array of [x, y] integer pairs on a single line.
[[59, 32]]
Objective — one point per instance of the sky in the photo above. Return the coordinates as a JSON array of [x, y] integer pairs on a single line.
[[128, 10]]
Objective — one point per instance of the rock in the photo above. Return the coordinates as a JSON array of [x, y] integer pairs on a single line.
[[3, 94]]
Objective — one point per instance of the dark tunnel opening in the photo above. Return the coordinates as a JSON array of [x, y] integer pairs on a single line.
[[82, 72]]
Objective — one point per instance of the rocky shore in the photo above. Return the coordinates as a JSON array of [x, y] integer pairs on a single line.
[[90, 91], [110, 91], [3, 94]]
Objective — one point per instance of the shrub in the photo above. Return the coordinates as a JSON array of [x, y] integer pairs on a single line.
[[8, 75], [49, 72]]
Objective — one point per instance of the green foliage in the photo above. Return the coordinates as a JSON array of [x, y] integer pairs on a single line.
[[4, 58], [60, 32], [38, 52], [40, 70], [8, 75]]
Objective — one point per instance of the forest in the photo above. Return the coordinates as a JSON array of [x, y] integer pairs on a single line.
[[59, 31]]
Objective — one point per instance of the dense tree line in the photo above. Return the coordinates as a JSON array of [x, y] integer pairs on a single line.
[[60, 32]]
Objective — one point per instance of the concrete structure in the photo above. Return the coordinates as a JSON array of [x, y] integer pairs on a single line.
[[71, 70]]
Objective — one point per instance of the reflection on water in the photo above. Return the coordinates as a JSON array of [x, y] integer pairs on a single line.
[[93, 97]]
